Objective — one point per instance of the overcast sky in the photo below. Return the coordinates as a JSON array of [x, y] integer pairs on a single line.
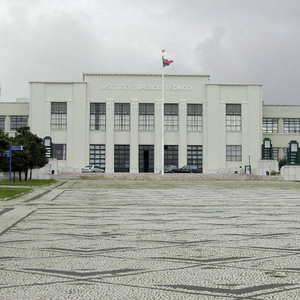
[[235, 41]]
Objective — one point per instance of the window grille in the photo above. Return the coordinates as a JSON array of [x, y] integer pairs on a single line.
[[195, 155], [275, 153], [59, 115], [171, 117], [122, 116], [122, 158], [270, 125], [171, 109], [171, 155], [233, 153], [194, 117], [98, 116], [194, 109], [233, 110], [18, 122], [60, 151], [146, 116], [146, 108], [233, 117], [2, 123], [97, 155], [291, 125]]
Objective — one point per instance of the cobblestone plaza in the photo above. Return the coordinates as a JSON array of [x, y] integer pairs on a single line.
[[93, 239]]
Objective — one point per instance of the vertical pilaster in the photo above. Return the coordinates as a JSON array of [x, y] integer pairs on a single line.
[[134, 137], [158, 137], [182, 160], [109, 149]]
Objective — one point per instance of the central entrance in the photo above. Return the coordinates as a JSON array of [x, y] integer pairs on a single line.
[[146, 158]]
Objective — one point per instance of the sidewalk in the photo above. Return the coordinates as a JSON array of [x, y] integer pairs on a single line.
[[207, 242]]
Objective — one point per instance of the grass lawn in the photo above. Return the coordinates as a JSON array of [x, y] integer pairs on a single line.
[[6, 192], [33, 182]]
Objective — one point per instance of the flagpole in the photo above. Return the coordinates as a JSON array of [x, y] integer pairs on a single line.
[[162, 118]]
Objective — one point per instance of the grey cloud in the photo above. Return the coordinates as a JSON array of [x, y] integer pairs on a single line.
[[253, 41]]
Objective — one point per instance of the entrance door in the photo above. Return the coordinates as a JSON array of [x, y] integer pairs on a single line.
[[146, 158], [146, 161]]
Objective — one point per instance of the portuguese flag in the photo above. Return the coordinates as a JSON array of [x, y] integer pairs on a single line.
[[166, 62]]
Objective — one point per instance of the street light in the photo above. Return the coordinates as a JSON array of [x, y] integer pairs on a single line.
[[248, 168]]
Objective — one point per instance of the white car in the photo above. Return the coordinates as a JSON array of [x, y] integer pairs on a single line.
[[92, 169]]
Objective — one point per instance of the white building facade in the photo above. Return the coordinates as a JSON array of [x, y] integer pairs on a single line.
[[115, 121]]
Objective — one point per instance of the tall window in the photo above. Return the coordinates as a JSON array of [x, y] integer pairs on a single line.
[[2, 123], [122, 158], [97, 116], [171, 155], [194, 117], [233, 153], [291, 125], [194, 155], [59, 115], [97, 155], [146, 116], [18, 122], [275, 153], [60, 151], [171, 117], [270, 125], [122, 116], [233, 117]]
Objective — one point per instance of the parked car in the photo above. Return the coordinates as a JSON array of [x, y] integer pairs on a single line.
[[170, 168], [188, 169], [92, 169]]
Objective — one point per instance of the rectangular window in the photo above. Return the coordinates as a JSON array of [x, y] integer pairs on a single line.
[[59, 115], [233, 117], [194, 117], [233, 153], [195, 155], [98, 116], [2, 123], [171, 117], [122, 116], [122, 158], [275, 153], [146, 116], [285, 151], [171, 155], [291, 125], [18, 122], [270, 125], [97, 155], [60, 151]]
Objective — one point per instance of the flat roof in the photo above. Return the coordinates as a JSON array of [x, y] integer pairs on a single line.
[[144, 74]]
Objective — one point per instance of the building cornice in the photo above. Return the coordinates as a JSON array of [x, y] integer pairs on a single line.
[[236, 84], [59, 82], [145, 75]]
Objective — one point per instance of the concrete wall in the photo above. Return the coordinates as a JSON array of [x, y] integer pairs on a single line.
[[8, 109]]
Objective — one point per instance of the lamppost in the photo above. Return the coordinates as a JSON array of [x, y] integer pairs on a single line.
[[248, 168]]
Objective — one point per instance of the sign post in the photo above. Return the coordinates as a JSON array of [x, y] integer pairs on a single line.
[[12, 148]]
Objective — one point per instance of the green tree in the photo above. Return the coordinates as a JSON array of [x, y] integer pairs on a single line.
[[4, 145], [32, 156]]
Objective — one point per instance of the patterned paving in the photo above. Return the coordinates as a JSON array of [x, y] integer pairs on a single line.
[[200, 243]]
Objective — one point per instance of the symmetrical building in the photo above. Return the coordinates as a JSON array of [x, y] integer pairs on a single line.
[[116, 121]]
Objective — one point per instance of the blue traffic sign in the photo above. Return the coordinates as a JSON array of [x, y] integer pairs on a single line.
[[16, 148]]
